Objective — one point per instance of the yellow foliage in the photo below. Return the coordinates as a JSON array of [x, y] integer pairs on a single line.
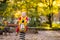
[[47, 28], [28, 0], [23, 7], [24, 10], [51, 2], [55, 11], [18, 14], [58, 1], [54, 3], [55, 24], [40, 4], [40, 9]]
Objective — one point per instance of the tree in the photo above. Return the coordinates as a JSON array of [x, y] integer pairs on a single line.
[[33, 8]]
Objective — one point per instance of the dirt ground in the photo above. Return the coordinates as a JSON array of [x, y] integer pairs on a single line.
[[42, 35]]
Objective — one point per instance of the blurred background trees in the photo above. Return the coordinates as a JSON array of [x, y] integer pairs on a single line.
[[39, 11]]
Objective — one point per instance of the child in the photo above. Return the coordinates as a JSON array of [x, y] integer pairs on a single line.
[[23, 18]]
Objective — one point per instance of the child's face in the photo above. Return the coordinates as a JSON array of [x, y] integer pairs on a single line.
[[23, 14]]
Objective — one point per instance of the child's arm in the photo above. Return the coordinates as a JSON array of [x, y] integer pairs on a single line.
[[19, 19], [27, 19]]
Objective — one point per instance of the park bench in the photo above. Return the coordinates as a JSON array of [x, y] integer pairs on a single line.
[[30, 29]]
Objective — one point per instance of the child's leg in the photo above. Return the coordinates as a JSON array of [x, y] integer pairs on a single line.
[[17, 31]]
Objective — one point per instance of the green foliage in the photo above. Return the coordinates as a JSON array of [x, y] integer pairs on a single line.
[[3, 7], [34, 22]]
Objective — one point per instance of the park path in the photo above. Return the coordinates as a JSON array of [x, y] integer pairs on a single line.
[[42, 35]]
